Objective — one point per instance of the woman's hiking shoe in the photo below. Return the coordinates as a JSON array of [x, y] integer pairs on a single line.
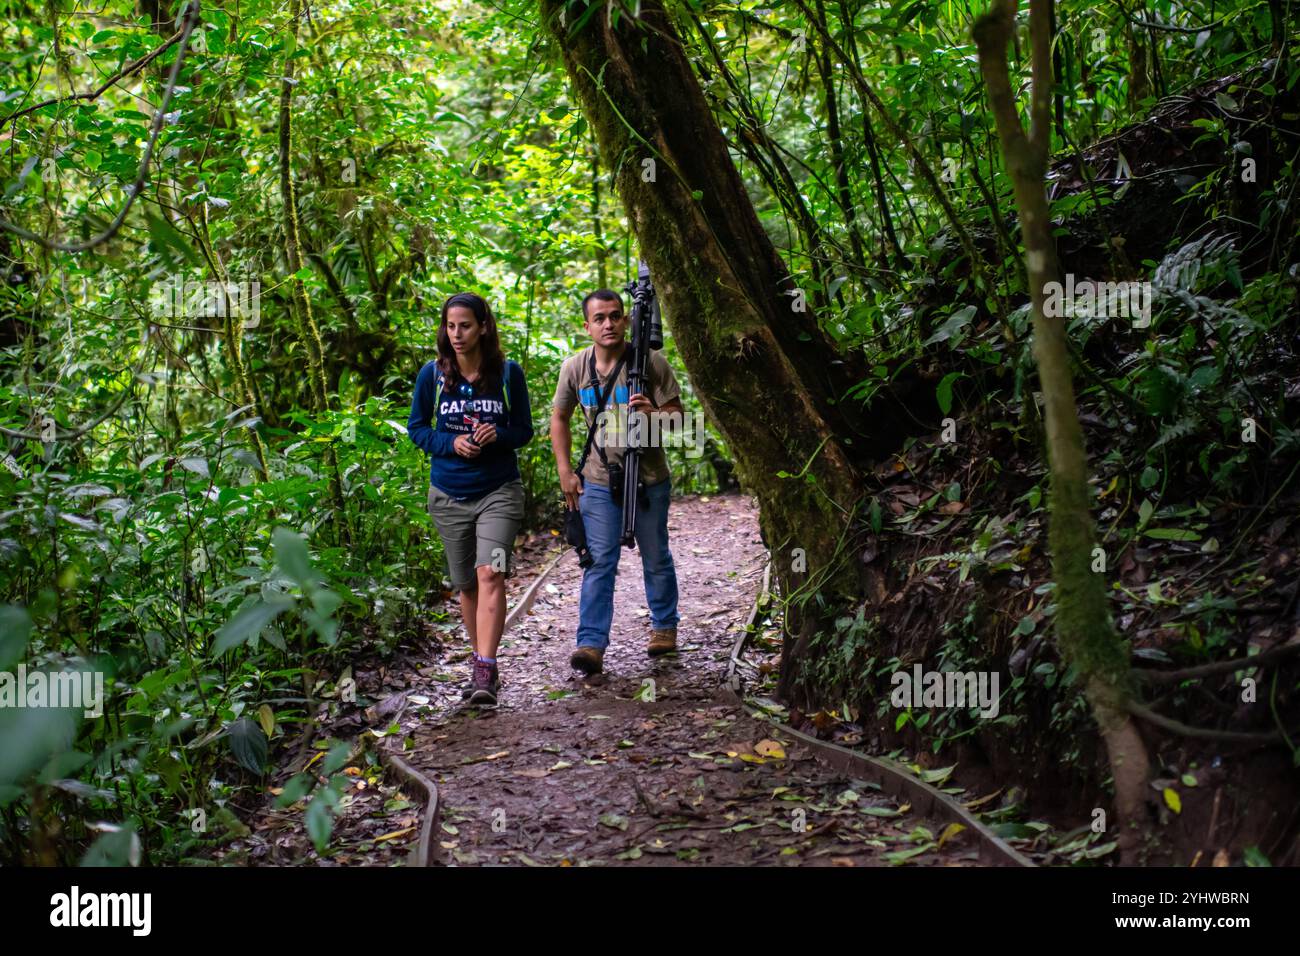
[[663, 640], [589, 660], [484, 685]]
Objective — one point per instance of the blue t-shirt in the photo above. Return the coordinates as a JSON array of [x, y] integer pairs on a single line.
[[456, 412]]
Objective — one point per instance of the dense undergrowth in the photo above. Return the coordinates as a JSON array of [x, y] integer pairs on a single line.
[[1189, 415]]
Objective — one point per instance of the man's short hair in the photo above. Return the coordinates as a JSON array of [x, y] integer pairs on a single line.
[[605, 295]]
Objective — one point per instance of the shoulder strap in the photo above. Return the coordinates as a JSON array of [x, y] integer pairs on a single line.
[[601, 398]]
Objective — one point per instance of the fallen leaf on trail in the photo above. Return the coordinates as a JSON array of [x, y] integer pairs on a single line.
[[842, 861], [1172, 800], [614, 820], [1221, 858], [902, 856], [561, 765], [394, 835], [951, 508], [473, 760], [769, 748], [950, 831]]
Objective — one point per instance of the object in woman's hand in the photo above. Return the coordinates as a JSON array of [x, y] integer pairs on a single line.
[[472, 422]]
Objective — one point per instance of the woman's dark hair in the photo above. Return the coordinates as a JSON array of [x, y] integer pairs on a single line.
[[492, 369]]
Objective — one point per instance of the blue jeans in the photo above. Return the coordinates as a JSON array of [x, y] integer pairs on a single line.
[[604, 523]]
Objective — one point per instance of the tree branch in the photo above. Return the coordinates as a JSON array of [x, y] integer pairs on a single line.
[[142, 174], [91, 95], [1218, 667], [1202, 733]]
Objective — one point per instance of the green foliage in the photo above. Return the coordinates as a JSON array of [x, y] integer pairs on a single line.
[[221, 548]]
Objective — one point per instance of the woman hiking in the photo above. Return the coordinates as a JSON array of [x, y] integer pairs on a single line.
[[470, 412]]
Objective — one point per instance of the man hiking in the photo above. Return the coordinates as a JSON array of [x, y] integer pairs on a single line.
[[596, 379]]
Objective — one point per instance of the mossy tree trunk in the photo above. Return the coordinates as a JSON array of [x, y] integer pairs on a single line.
[[1088, 640], [768, 376], [308, 331]]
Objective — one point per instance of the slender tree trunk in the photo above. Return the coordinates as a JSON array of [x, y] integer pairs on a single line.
[[232, 333], [764, 153], [1083, 625], [843, 193], [923, 168], [847, 15], [597, 226], [309, 333]]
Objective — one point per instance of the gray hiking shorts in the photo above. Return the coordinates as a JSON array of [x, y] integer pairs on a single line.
[[478, 532]]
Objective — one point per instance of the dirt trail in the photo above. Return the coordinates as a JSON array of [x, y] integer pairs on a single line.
[[648, 763]]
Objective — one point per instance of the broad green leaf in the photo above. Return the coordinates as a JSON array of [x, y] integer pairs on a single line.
[[15, 633], [248, 744], [293, 558], [248, 621]]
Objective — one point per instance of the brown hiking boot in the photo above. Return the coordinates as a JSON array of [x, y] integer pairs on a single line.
[[663, 640], [589, 660]]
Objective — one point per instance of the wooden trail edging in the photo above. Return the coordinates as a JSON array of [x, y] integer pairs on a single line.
[[420, 787], [893, 778], [528, 597]]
